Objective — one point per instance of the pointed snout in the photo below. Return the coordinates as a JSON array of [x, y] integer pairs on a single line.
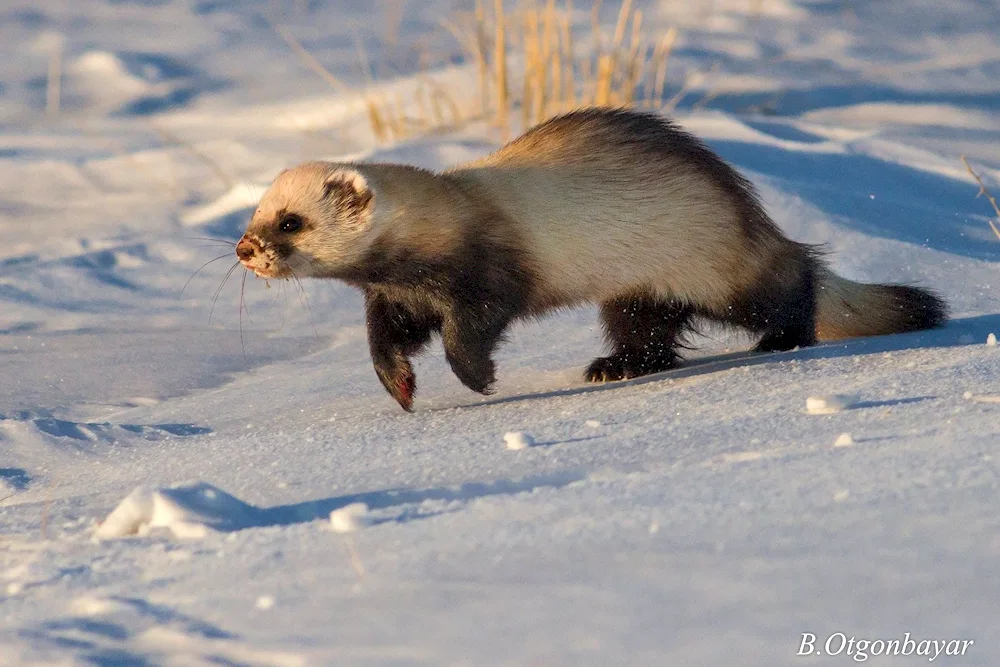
[[246, 249]]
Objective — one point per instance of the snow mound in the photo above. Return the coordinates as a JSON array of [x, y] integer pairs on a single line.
[[830, 403], [188, 511], [844, 440], [101, 78], [518, 440], [349, 518]]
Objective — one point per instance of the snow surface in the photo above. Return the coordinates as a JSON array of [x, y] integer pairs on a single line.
[[698, 517]]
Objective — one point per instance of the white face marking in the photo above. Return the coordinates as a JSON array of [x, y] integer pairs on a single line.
[[335, 206]]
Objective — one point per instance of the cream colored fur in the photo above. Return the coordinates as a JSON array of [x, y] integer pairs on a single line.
[[598, 237], [664, 227], [846, 309], [407, 206], [594, 220]]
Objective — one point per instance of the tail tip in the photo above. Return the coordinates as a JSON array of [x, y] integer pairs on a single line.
[[919, 308]]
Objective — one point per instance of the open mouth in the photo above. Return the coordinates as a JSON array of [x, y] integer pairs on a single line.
[[253, 255], [265, 269], [259, 271]]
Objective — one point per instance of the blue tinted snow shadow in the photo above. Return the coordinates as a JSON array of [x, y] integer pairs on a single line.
[[29, 18], [909, 204], [146, 106], [230, 225], [95, 639], [156, 66], [798, 101], [784, 131], [61, 428], [18, 478], [376, 500]]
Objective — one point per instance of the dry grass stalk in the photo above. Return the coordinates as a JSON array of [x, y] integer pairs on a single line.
[[354, 557], [387, 118], [500, 66], [536, 45], [307, 58], [482, 65], [553, 37], [364, 62], [567, 48], [53, 88], [376, 116], [393, 20], [532, 51], [983, 192], [690, 81], [661, 56], [219, 172]]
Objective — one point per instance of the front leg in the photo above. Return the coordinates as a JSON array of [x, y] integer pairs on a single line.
[[395, 333], [470, 334]]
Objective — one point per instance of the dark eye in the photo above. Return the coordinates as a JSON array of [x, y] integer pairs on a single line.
[[290, 224]]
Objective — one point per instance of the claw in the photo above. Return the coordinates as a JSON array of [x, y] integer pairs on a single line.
[[405, 386]]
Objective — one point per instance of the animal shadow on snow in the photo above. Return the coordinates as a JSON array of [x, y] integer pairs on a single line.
[[107, 431], [965, 331], [100, 641], [409, 500], [45, 423]]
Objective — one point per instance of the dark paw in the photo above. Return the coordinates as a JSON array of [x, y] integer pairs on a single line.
[[624, 367], [479, 382], [478, 376], [607, 369], [401, 385], [781, 341]]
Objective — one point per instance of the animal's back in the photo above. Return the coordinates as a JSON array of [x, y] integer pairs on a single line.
[[615, 199]]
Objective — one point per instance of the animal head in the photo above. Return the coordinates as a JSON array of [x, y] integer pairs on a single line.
[[315, 220]]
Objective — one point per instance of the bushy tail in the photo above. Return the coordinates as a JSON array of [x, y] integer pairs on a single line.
[[846, 309]]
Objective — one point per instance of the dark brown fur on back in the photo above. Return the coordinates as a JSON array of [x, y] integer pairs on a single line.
[[629, 135]]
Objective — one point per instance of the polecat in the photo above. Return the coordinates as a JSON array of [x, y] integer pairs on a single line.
[[611, 206]]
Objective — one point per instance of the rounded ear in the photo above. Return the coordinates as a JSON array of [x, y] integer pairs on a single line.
[[350, 190]]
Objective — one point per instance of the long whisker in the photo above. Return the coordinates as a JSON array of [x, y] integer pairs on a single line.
[[188, 282], [215, 297], [284, 312], [315, 264], [243, 286], [304, 300], [243, 303], [229, 242], [277, 295]]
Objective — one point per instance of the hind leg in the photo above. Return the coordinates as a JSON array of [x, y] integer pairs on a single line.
[[781, 304], [797, 329], [644, 333], [791, 317]]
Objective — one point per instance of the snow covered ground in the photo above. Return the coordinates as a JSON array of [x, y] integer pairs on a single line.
[[698, 517]]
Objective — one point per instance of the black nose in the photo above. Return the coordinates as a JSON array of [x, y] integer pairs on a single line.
[[245, 249]]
